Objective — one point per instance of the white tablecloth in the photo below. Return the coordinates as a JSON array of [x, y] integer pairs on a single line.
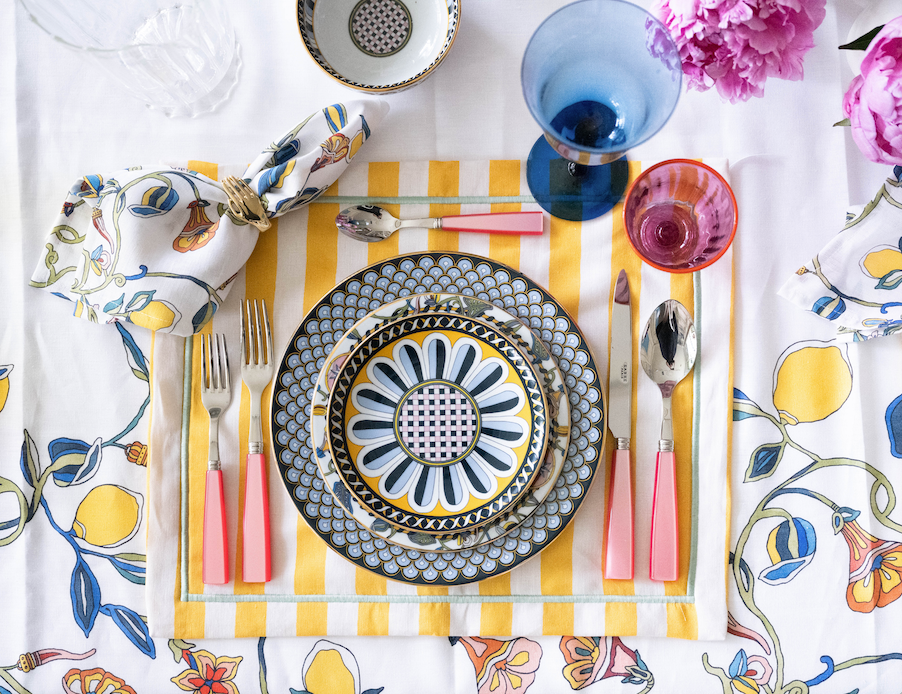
[[793, 175]]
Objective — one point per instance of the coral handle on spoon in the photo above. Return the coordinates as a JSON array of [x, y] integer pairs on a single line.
[[665, 554], [494, 223]]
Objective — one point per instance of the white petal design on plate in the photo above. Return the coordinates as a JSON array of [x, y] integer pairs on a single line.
[[383, 372], [490, 374], [503, 401], [509, 433], [395, 479], [376, 456], [437, 351], [497, 460], [373, 401], [365, 429], [425, 491], [466, 354], [480, 478], [409, 357], [452, 489]]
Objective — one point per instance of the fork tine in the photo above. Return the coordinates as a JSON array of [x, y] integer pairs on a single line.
[[225, 363], [269, 355], [251, 356], [261, 356], [242, 348], [203, 362], [217, 366]]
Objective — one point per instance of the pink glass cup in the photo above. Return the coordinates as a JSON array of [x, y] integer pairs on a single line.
[[680, 215]]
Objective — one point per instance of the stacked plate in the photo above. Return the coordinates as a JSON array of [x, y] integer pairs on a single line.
[[430, 441]]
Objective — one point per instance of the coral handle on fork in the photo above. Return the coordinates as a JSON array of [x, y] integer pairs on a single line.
[[215, 394]]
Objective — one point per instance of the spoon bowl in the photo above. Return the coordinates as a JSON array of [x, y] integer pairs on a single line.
[[667, 352]]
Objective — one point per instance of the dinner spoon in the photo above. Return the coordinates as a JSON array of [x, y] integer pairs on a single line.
[[372, 223], [667, 353]]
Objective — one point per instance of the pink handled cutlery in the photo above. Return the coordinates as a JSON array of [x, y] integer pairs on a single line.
[[257, 366]]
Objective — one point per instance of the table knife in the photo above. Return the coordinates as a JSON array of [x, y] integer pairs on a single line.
[[619, 548]]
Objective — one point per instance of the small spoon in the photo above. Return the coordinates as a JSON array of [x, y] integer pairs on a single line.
[[371, 223], [667, 353]]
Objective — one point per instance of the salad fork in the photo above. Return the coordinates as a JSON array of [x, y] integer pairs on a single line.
[[215, 394], [256, 371]]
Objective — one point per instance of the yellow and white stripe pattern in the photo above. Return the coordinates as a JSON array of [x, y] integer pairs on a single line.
[[315, 591]]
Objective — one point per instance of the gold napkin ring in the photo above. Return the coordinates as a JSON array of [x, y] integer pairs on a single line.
[[245, 203]]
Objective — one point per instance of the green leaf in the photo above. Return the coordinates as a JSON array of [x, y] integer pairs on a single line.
[[133, 577], [10, 486], [140, 300], [16, 687], [890, 280], [29, 460], [845, 123], [862, 42], [177, 646], [67, 234]]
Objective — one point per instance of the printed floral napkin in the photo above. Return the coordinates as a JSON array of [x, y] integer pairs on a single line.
[[856, 280], [159, 246]]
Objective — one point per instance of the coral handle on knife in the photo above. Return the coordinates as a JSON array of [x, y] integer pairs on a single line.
[[619, 548]]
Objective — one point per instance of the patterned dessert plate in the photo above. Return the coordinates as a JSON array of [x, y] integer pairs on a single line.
[[437, 423], [336, 313], [543, 364]]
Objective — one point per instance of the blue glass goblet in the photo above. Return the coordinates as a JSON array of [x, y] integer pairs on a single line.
[[600, 77]]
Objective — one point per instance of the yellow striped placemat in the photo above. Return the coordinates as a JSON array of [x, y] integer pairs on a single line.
[[314, 591]]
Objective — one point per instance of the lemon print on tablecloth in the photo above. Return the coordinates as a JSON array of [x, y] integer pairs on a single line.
[[812, 380], [883, 263], [108, 516], [4, 383], [331, 669], [157, 315]]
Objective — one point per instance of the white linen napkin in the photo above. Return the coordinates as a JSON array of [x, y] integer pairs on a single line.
[[856, 280], [158, 246]]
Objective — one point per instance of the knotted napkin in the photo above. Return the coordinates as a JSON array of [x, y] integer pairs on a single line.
[[856, 280], [159, 246]]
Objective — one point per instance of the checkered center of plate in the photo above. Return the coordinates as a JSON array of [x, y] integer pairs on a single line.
[[380, 27], [437, 423]]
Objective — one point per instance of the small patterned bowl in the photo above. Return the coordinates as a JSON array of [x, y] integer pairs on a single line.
[[378, 45]]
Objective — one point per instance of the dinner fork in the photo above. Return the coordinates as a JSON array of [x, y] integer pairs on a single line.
[[215, 394], [245, 203], [256, 371]]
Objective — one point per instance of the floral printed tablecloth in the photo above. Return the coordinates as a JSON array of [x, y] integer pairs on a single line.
[[815, 539], [813, 586]]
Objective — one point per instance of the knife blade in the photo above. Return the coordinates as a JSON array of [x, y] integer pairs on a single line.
[[619, 546]]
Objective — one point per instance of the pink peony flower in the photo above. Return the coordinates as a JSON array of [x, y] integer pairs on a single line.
[[736, 45], [873, 103]]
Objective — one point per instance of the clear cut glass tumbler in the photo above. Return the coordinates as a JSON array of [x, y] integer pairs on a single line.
[[178, 56], [599, 77]]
